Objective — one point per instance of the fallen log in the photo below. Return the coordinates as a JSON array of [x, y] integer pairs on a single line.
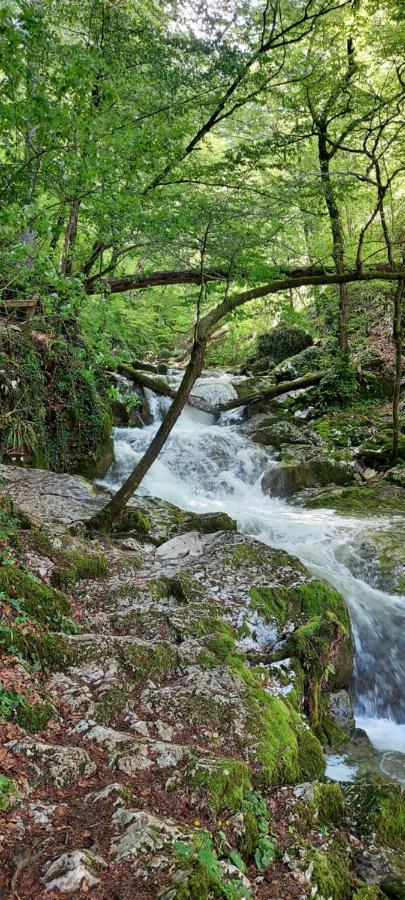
[[283, 388], [145, 379], [160, 386]]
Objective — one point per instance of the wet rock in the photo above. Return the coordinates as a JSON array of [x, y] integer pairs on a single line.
[[284, 433], [292, 476], [339, 712], [63, 765], [374, 499], [74, 871]]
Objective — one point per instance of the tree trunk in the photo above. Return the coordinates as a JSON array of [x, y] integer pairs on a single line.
[[66, 260], [397, 334], [114, 508], [277, 390], [337, 234]]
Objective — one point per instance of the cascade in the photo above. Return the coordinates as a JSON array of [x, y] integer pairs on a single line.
[[210, 466]]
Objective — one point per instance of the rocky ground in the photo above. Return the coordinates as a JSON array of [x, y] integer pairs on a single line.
[[170, 690]]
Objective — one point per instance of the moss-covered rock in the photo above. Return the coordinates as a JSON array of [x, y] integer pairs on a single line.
[[227, 782], [378, 811], [75, 565], [43, 603], [306, 600], [283, 341], [330, 872], [292, 475], [378, 498], [309, 360], [284, 747]]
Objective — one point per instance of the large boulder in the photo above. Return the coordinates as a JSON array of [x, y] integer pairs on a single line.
[[309, 360], [283, 433], [295, 475], [282, 342]]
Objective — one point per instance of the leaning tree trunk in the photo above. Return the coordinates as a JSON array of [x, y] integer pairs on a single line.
[[337, 235], [397, 334], [103, 519]]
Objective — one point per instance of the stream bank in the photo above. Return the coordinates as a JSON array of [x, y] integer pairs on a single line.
[[192, 693]]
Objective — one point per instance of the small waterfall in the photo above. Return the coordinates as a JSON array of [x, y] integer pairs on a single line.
[[207, 466]]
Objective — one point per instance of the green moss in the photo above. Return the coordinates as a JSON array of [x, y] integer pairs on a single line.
[[8, 792], [368, 892], [188, 884], [43, 603], [319, 644], [226, 781], [381, 499], [109, 703], [283, 746], [133, 520], [308, 599], [378, 809], [59, 417], [330, 802], [245, 554], [74, 565], [331, 873], [211, 523], [34, 716], [180, 586], [149, 662]]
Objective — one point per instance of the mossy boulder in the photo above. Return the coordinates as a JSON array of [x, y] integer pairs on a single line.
[[396, 475], [283, 745], [262, 365], [292, 476], [278, 434], [226, 782], [377, 451], [309, 360], [282, 342], [378, 811], [378, 498], [331, 871]]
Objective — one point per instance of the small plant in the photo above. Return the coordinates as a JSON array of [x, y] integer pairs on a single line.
[[7, 791], [202, 854], [265, 852]]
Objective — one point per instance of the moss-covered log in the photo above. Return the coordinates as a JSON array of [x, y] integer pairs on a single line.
[[283, 388]]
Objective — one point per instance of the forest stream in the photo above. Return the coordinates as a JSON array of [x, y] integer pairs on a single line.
[[210, 465]]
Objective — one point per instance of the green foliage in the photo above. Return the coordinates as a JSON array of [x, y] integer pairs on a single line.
[[31, 716], [54, 413], [200, 860], [7, 792]]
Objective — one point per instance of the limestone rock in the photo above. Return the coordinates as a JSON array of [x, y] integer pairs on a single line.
[[71, 871], [144, 833], [63, 765]]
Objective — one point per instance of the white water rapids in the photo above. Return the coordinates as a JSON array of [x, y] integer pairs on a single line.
[[208, 467]]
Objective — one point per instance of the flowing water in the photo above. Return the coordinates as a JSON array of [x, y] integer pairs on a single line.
[[207, 466]]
